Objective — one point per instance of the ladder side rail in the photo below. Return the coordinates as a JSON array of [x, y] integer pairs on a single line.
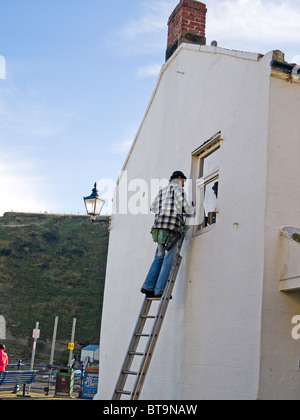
[[150, 346], [134, 342], [156, 329]]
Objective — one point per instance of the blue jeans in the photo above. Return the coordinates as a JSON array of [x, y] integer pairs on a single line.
[[159, 272]]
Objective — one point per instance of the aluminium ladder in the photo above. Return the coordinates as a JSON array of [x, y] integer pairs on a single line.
[[151, 337]]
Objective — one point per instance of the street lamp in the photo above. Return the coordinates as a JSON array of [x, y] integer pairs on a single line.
[[94, 203]]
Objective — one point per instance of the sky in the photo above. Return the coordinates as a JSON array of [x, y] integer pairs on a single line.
[[76, 77]]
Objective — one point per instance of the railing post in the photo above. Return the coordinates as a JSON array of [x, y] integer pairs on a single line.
[[81, 380], [16, 387]]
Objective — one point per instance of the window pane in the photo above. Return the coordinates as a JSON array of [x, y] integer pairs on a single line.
[[210, 201], [208, 197], [210, 162]]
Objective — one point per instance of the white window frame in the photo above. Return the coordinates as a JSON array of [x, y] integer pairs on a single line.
[[207, 148]]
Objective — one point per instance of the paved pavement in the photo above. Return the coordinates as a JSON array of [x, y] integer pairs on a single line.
[[8, 395]]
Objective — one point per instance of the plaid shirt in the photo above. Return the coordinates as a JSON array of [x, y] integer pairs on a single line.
[[169, 206]]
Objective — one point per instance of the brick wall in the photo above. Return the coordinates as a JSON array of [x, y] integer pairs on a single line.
[[186, 24]]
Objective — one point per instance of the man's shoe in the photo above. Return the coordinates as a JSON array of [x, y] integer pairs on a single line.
[[148, 293]]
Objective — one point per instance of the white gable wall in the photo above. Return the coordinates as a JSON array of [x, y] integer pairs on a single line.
[[209, 347]]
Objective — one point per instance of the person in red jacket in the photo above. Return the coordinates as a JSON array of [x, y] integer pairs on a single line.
[[3, 358]]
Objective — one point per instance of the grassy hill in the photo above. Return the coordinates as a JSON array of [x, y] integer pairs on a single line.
[[51, 265]]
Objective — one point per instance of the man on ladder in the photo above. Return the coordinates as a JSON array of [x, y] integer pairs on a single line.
[[169, 207]]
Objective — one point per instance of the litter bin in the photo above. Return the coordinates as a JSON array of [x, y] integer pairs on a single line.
[[64, 382]]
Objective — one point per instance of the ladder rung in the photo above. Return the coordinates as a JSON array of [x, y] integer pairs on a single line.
[[135, 353], [124, 392], [129, 372], [142, 335], [148, 316]]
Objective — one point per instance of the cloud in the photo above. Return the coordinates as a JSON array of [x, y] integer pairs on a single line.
[[29, 126], [152, 70], [147, 33], [154, 17], [263, 22], [238, 24], [296, 59], [26, 115], [20, 189], [122, 146]]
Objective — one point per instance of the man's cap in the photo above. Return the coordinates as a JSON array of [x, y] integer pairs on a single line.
[[178, 174]]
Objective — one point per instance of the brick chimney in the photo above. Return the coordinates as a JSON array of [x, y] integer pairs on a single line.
[[186, 24]]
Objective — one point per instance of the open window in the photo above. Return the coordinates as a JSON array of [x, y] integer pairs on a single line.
[[205, 169]]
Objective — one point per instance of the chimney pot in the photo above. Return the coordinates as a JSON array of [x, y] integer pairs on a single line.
[[186, 24]]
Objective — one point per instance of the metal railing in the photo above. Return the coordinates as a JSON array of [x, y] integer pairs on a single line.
[[46, 378]]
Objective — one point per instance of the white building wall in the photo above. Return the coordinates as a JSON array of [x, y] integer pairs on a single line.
[[209, 347], [280, 378]]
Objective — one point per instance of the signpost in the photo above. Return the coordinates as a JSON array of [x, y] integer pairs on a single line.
[[53, 341], [35, 336], [71, 345]]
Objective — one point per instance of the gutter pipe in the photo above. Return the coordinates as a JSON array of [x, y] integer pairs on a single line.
[[286, 68]]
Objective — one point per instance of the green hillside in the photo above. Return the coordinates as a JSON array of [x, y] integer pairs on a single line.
[[51, 265]]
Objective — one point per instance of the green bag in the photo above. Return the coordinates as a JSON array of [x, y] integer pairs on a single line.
[[161, 236], [154, 233]]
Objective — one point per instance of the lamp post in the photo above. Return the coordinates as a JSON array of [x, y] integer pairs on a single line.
[[94, 203]]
